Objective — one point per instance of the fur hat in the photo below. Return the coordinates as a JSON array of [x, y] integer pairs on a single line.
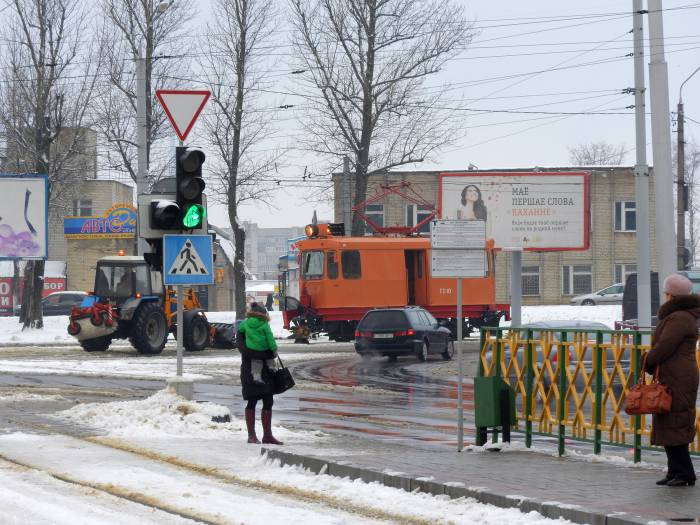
[[255, 307], [676, 284]]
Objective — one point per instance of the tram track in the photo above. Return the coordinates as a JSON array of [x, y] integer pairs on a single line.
[[291, 493]]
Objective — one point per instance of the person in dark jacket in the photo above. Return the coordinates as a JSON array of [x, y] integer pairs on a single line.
[[673, 351], [258, 352]]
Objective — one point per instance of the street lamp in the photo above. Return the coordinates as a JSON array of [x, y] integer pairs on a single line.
[[681, 198]]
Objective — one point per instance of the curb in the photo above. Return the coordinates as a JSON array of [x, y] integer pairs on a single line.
[[548, 509]]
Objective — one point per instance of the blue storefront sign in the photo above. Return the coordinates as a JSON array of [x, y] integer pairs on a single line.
[[119, 221]]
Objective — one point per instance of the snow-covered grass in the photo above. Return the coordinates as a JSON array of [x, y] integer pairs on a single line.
[[606, 314], [55, 329]]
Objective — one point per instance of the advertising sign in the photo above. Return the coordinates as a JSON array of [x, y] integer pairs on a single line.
[[293, 248], [534, 211], [117, 222], [5, 295], [24, 216]]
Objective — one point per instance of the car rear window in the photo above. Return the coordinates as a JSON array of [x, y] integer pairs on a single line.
[[389, 320]]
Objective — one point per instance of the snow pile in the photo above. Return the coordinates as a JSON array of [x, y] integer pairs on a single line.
[[55, 330], [167, 414], [414, 506], [606, 314], [276, 321]]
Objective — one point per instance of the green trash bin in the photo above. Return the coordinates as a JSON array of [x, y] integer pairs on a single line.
[[493, 399]]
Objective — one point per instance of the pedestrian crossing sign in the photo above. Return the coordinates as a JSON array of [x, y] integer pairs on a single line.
[[188, 259]]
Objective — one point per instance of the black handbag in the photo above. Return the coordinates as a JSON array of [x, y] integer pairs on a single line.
[[283, 378]]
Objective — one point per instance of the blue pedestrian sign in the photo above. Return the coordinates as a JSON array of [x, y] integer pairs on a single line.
[[188, 259]]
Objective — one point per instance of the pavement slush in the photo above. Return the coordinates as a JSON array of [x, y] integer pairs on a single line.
[[569, 488]]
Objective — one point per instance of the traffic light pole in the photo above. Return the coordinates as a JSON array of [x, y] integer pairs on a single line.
[[141, 139], [180, 323]]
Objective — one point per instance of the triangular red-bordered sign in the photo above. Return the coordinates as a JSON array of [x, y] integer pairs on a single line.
[[182, 108]]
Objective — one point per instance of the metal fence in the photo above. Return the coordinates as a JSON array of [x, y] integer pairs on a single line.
[[576, 384]]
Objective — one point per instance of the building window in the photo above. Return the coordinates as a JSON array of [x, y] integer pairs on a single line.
[[577, 279], [350, 261], [531, 280], [622, 271], [416, 213], [625, 216], [375, 213], [82, 208]]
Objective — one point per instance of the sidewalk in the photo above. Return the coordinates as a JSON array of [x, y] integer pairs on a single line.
[[571, 488]]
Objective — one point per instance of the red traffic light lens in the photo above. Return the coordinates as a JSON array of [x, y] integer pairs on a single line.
[[191, 160]]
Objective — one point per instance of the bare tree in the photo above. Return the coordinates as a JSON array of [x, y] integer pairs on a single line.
[[135, 29], [369, 61], [50, 78], [692, 179], [236, 122], [597, 154]]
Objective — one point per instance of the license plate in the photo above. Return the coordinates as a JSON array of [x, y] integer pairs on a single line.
[[383, 336]]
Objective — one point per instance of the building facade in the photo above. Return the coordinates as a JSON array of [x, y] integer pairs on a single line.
[[265, 246], [549, 277]]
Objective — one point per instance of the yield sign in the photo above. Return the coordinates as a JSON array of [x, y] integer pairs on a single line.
[[182, 108]]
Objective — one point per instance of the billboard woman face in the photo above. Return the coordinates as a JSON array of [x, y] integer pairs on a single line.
[[471, 193]]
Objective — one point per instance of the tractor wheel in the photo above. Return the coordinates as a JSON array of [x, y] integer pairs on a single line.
[[98, 344], [149, 329], [196, 334]]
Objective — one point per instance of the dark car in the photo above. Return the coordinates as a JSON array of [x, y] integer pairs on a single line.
[[629, 297], [61, 303], [402, 331]]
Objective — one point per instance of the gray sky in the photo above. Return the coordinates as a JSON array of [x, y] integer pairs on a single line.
[[542, 56]]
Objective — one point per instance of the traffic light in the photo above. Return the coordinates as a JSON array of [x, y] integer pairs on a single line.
[[164, 215], [189, 187]]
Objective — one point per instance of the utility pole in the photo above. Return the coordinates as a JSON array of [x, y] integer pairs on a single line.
[[681, 192], [141, 138], [661, 145], [641, 174], [347, 196]]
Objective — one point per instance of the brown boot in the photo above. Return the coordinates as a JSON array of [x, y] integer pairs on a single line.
[[250, 423], [268, 438]]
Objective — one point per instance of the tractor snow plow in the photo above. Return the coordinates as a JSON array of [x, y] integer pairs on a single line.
[[130, 302]]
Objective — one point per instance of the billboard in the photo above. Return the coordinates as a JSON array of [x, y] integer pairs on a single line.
[[534, 211], [117, 222], [24, 216]]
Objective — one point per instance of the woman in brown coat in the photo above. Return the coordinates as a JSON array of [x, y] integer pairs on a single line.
[[673, 350]]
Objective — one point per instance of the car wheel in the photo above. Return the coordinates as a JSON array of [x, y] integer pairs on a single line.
[[588, 302], [449, 350], [422, 352]]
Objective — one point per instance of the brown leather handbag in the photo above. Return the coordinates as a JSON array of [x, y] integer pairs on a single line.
[[654, 398]]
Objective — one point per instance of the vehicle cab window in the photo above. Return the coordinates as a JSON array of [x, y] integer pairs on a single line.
[[312, 265], [425, 321], [332, 263], [352, 268], [142, 283], [52, 299]]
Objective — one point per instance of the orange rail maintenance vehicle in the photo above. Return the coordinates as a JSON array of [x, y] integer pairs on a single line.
[[341, 278]]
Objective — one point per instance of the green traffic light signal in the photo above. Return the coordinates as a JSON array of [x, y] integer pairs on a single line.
[[193, 217]]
